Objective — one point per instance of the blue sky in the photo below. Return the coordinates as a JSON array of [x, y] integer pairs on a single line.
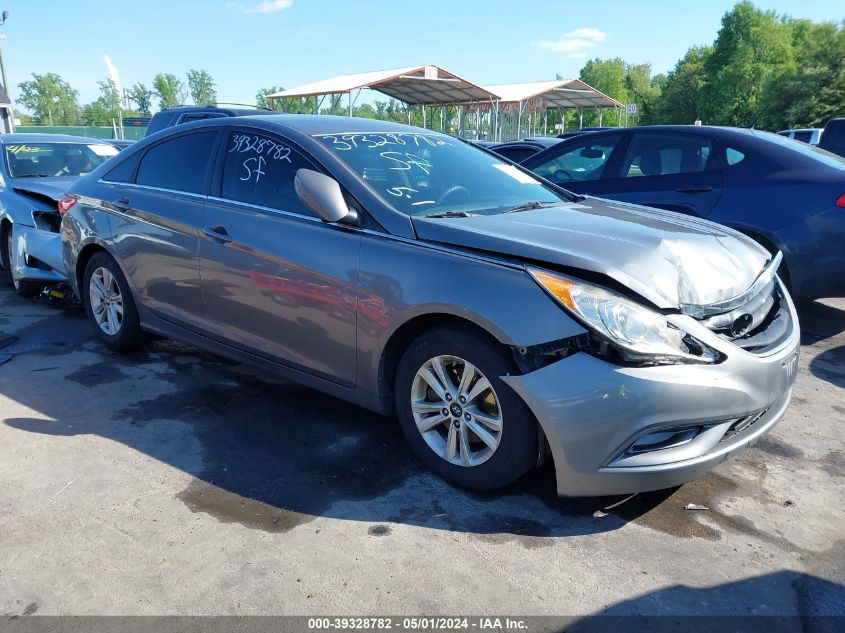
[[258, 43]]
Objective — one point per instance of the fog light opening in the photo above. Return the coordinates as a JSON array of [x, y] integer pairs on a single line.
[[660, 440]]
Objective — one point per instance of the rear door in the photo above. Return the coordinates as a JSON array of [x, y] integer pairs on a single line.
[[579, 165], [668, 170], [156, 221], [278, 281]]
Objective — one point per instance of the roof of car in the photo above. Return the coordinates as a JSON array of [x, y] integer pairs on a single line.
[[33, 137], [314, 124]]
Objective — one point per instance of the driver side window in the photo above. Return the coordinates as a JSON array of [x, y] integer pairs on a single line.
[[584, 161]]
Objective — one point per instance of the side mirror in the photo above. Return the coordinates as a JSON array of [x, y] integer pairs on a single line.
[[591, 152], [323, 196]]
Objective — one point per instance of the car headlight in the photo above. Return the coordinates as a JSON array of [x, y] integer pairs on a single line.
[[640, 333]]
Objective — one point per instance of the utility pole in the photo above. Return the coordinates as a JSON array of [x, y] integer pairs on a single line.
[[3, 17], [11, 115]]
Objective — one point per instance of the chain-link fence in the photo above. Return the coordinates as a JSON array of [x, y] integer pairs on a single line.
[[132, 133]]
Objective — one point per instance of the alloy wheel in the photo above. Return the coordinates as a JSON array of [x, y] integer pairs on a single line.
[[456, 410], [106, 301]]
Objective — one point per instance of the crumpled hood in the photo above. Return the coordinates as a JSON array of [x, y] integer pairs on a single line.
[[52, 188], [670, 259]]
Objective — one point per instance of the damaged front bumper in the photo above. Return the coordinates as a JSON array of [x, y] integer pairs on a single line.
[[619, 430], [36, 255]]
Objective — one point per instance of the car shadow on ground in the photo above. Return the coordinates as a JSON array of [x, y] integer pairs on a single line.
[[817, 604], [820, 322], [273, 455]]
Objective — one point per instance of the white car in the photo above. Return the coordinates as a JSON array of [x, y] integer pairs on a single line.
[[35, 171]]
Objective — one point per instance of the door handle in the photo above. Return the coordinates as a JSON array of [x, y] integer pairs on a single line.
[[218, 233], [122, 203], [694, 189]]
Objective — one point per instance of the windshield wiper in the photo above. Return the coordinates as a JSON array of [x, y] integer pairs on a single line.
[[449, 214], [34, 176], [530, 206]]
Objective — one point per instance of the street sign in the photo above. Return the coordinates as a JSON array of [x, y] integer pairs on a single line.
[[558, 126], [631, 108]]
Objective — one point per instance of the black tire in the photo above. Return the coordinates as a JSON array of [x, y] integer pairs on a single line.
[[129, 335], [5, 257], [516, 452]]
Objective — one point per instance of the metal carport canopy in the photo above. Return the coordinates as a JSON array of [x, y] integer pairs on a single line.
[[564, 93], [414, 85]]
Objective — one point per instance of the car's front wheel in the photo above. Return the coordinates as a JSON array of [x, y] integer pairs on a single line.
[[459, 417], [109, 303]]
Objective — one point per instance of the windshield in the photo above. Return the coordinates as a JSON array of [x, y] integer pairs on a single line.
[[41, 160], [427, 173]]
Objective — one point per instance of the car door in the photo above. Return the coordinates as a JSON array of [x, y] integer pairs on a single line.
[[157, 210], [668, 170], [578, 165], [278, 281]]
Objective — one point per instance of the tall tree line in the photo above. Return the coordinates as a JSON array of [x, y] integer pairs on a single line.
[[52, 101], [763, 68]]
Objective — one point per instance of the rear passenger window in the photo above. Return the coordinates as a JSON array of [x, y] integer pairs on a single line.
[[125, 171], [666, 154], [804, 137], [733, 156], [259, 169], [179, 163]]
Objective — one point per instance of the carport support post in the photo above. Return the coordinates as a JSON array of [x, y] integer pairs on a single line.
[[601, 112], [580, 119], [350, 102]]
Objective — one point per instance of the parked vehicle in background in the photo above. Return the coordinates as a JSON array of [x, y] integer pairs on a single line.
[[34, 171], [810, 136], [178, 115], [833, 137], [583, 130], [519, 150], [120, 144], [788, 196], [412, 273]]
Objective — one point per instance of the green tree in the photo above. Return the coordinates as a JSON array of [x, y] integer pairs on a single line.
[[201, 87], [50, 98], [607, 76], [142, 97], [812, 90], [169, 89], [645, 91], [680, 95], [104, 110], [262, 101], [750, 47]]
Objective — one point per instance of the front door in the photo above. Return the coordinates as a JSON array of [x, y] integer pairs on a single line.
[[668, 170], [278, 282]]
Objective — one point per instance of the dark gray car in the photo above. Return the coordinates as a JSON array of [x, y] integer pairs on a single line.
[[502, 319]]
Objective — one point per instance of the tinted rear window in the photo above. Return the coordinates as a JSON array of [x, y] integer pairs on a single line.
[[831, 160], [179, 163]]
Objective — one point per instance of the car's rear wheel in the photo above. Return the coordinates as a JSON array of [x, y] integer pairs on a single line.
[[109, 303], [459, 417]]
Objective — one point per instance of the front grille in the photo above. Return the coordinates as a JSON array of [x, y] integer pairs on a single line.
[[759, 325]]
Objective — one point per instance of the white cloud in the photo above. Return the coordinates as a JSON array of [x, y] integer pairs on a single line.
[[574, 43], [266, 6]]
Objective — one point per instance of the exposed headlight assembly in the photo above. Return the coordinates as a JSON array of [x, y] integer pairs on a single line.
[[640, 334]]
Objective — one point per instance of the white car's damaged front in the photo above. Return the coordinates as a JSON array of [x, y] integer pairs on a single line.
[[34, 174]]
